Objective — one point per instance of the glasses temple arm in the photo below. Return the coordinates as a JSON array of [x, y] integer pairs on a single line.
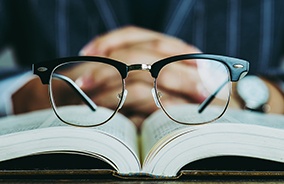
[[73, 85], [209, 99]]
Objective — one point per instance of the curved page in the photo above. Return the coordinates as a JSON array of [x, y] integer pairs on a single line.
[[41, 132], [169, 146]]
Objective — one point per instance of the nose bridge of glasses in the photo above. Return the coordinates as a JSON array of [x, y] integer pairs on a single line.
[[143, 67]]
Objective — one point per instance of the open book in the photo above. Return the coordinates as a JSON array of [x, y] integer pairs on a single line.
[[162, 149]]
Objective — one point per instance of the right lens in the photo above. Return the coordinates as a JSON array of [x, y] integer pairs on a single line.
[[184, 77], [80, 107]]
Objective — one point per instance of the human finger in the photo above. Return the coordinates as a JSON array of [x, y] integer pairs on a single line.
[[118, 38], [138, 98], [97, 75], [131, 36], [180, 77]]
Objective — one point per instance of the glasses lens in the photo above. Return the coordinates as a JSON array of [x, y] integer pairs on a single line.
[[188, 78], [79, 89]]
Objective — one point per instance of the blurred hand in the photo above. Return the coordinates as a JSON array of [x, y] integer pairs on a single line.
[[136, 45], [133, 45], [32, 96], [130, 45]]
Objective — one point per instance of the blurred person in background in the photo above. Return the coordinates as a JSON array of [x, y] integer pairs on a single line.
[[138, 32]]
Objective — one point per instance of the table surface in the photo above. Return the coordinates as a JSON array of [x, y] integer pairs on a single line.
[[109, 176]]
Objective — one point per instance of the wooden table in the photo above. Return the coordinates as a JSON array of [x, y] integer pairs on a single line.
[[109, 176]]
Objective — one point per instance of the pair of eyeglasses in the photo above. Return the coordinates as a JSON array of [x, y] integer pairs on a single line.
[[214, 74]]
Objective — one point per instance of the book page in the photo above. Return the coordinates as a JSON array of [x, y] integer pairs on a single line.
[[119, 129], [24, 122], [159, 127], [156, 127], [250, 117], [168, 145]]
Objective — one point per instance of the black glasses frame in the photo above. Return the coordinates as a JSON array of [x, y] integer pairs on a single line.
[[237, 68]]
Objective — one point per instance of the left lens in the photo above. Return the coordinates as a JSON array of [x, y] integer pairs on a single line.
[[81, 106], [179, 82]]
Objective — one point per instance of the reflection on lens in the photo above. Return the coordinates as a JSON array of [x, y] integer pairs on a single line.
[[209, 75], [77, 106]]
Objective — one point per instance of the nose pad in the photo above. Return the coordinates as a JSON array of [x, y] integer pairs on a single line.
[[122, 98], [156, 97]]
